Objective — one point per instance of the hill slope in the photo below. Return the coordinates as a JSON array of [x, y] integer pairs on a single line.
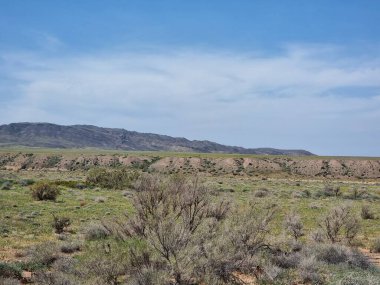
[[82, 136]]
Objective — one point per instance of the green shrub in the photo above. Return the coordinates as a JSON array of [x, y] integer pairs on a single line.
[[340, 224], [57, 278], [52, 161], [7, 185], [42, 255], [310, 272], [336, 254], [294, 225], [60, 223], [263, 192], [44, 190], [366, 213], [10, 270], [70, 247], [375, 246], [70, 184], [26, 182], [111, 178], [95, 231], [359, 279]]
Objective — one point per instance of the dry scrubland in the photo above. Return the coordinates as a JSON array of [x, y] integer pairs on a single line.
[[75, 217]]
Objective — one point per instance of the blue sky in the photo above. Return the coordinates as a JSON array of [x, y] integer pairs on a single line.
[[285, 74]]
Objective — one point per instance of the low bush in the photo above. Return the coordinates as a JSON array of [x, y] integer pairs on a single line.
[[338, 254], [70, 184], [66, 264], [95, 231], [7, 185], [358, 193], [330, 191], [60, 224], [315, 205], [375, 246], [26, 182], [42, 255], [44, 190], [263, 192], [71, 247], [359, 279], [310, 272], [55, 278], [10, 270], [112, 178], [103, 268], [287, 260], [366, 213], [187, 238], [317, 236], [100, 199], [9, 281], [294, 225], [340, 224], [331, 253]]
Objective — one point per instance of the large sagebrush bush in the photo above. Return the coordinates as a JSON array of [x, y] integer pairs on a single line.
[[187, 237], [340, 224], [119, 178], [45, 190]]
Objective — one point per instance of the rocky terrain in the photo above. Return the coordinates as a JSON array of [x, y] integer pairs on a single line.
[[85, 136], [311, 167]]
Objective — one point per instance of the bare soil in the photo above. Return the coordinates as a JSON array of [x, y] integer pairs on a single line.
[[315, 167]]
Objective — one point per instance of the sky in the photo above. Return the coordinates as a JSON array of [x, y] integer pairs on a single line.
[[288, 74]]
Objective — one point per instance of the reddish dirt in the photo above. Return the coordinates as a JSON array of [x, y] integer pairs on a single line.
[[307, 167]]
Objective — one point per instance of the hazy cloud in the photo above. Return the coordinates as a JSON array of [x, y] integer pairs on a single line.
[[306, 97]]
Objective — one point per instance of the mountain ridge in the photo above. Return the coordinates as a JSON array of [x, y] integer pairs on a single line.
[[84, 136]]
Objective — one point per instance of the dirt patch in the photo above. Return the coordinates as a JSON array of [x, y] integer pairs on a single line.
[[345, 168], [373, 257]]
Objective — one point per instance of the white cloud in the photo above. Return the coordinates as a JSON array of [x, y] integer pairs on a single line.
[[286, 100]]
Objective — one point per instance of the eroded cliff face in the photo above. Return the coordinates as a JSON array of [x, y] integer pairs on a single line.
[[339, 168]]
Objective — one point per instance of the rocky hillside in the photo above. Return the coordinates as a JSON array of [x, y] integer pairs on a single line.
[[308, 167], [85, 136]]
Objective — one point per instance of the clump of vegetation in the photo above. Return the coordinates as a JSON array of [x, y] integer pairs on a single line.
[[9, 281], [112, 178], [294, 225], [330, 191], [358, 193], [145, 164], [188, 236], [6, 185], [181, 232], [310, 271], [359, 279], [340, 224], [375, 246], [262, 192], [366, 213], [44, 190], [10, 270], [70, 247], [52, 161], [69, 183], [43, 255], [26, 182], [63, 271], [100, 199], [105, 265], [60, 224], [95, 231]]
